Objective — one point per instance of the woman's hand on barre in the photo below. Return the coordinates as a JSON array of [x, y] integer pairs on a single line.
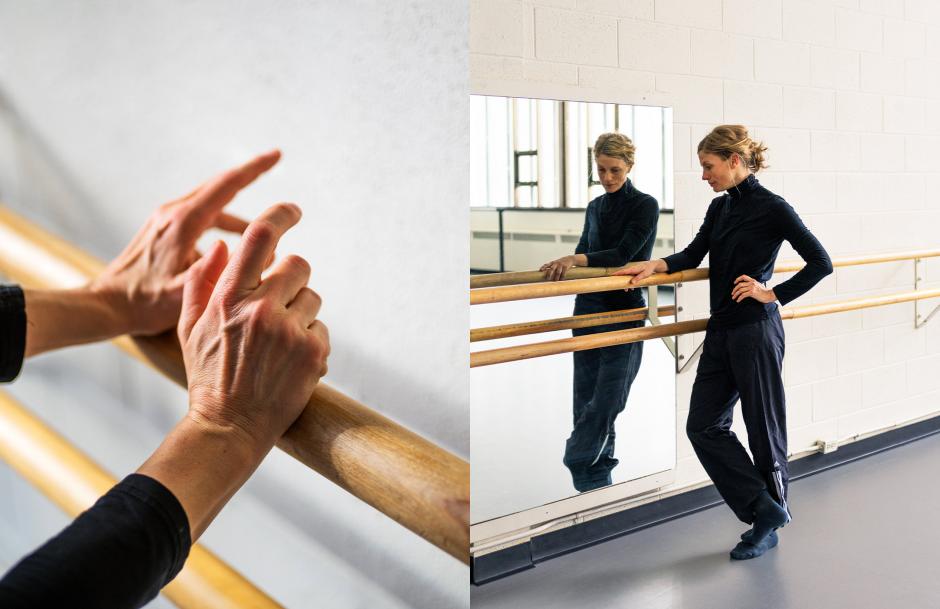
[[642, 270], [254, 351], [144, 284], [140, 291], [746, 287], [556, 269]]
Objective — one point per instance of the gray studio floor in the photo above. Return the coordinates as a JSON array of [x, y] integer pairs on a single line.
[[864, 535]]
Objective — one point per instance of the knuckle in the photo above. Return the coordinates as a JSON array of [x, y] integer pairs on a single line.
[[297, 265], [260, 232], [259, 316], [315, 298], [229, 298]]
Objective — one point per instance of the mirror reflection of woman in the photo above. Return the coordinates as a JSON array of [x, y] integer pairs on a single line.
[[742, 356], [619, 227]]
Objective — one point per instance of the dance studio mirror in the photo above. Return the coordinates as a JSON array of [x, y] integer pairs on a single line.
[[533, 173]]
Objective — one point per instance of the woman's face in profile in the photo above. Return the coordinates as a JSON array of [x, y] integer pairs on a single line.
[[716, 171], [611, 172]]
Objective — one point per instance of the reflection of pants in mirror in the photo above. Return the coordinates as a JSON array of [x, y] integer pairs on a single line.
[[743, 361], [602, 379]]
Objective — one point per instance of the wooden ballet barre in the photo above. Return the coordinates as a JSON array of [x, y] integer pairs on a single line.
[[566, 323], [408, 478], [74, 482], [620, 337], [578, 286], [506, 293], [490, 280]]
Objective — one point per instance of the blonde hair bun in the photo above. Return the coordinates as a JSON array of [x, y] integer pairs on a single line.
[[725, 140], [617, 146]]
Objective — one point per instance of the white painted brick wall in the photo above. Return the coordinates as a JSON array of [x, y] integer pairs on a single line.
[[672, 47], [701, 14], [846, 94], [722, 55], [758, 18], [782, 62], [574, 37], [808, 107]]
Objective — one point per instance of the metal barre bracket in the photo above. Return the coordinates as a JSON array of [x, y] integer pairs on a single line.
[[683, 359], [652, 313], [920, 276]]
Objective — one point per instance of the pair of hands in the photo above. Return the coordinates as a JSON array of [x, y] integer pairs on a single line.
[[744, 286], [254, 350]]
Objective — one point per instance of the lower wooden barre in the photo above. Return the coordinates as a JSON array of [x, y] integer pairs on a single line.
[[620, 337], [415, 482], [565, 323], [74, 482], [583, 343]]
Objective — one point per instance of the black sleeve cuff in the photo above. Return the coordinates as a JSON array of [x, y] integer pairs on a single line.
[[12, 331], [117, 554], [168, 510]]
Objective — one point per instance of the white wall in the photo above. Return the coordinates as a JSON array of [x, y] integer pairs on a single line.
[[845, 94], [109, 108]]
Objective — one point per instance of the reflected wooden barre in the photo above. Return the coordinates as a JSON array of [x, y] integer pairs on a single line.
[[603, 282], [420, 485], [74, 482], [490, 280], [566, 323], [621, 337]]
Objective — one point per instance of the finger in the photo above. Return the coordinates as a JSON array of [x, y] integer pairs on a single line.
[[257, 245], [743, 278], [322, 336], [201, 279], [628, 270], [220, 190], [288, 277], [306, 306], [230, 223]]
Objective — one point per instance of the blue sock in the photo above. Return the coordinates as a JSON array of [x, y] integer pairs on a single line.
[[747, 550], [768, 516]]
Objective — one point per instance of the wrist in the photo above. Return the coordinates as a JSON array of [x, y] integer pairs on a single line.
[[203, 465], [249, 437], [115, 305]]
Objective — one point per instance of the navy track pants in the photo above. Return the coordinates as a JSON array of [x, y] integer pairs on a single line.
[[602, 380], [742, 362]]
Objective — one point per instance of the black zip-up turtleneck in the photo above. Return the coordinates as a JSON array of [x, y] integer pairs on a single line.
[[619, 227], [742, 233]]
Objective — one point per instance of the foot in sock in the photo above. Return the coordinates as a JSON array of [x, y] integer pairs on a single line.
[[768, 515], [748, 535], [747, 550]]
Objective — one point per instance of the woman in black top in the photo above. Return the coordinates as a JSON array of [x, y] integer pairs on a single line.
[[619, 226], [744, 341]]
